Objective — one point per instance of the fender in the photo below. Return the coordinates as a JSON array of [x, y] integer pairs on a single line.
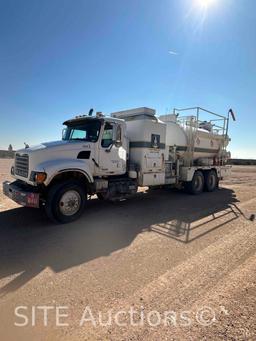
[[54, 167]]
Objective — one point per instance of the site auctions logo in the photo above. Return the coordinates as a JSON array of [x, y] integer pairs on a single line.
[[59, 317]]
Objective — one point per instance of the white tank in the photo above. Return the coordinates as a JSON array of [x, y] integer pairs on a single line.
[[180, 134], [153, 139]]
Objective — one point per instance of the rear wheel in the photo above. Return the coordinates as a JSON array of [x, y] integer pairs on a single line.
[[211, 181], [195, 186], [65, 202]]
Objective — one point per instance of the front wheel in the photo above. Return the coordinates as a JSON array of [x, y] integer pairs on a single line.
[[65, 201]]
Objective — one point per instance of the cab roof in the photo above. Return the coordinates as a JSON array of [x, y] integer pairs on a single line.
[[81, 119]]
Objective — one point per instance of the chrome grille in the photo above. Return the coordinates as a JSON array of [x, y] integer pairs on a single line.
[[21, 165]]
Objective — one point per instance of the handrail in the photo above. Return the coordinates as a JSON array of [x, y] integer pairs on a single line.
[[198, 108]]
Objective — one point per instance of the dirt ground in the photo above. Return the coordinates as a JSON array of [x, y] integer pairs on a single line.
[[162, 265]]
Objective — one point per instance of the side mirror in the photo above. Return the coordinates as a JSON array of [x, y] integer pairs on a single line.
[[118, 143], [117, 138], [64, 131]]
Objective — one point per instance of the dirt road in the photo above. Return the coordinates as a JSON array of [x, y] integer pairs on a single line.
[[169, 265]]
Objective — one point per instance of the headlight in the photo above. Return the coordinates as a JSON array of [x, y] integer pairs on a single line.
[[38, 177]]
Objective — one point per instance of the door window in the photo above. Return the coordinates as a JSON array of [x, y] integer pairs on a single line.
[[107, 137]]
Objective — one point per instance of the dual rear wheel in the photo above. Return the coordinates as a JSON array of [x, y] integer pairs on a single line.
[[207, 181]]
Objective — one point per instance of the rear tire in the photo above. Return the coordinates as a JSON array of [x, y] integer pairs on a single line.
[[195, 186], [211, 181], [65, 201]]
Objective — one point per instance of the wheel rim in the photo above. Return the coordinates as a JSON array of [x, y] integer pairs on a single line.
[[70, 203], [198, 183]]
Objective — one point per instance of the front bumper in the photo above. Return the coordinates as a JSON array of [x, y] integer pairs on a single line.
[[21, 194]]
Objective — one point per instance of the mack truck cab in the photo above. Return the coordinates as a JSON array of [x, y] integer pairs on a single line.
[[91, 158]]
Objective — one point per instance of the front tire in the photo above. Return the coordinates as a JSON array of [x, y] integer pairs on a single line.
[[196, 186], [65, 201]]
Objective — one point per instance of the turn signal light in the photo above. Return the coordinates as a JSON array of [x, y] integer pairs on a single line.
[[40, 177]]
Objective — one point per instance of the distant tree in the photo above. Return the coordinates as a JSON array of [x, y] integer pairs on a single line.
[[10, 149]]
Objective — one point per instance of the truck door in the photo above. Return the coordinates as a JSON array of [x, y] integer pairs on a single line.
[[112, 152]]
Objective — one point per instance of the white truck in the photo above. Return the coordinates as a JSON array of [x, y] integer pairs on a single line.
[[111, 156]]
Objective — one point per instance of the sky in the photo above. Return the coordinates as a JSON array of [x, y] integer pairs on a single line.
[[60, 58]]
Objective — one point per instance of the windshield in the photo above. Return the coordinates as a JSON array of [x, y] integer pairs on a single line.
[[85, 131]]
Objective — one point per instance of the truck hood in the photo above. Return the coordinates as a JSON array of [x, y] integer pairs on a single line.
[[53, 145], [56, 154], [50, 157], [56, 150]]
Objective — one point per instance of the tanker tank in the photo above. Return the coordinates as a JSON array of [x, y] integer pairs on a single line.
[[188, 135]]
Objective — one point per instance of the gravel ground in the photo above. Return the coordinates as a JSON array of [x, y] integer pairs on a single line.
[[175, 267]]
